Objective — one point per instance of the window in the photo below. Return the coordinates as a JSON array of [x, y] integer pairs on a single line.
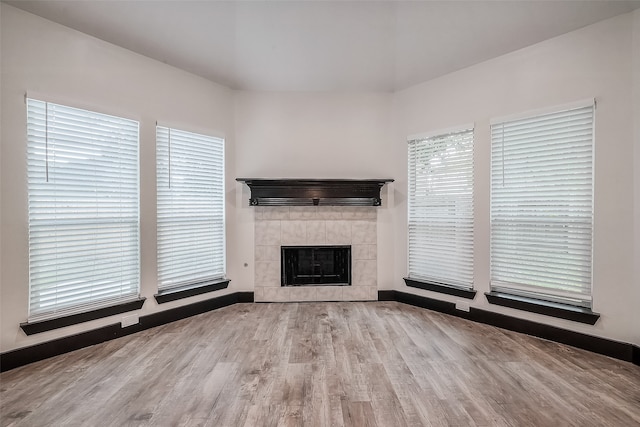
[[542, 205], [83, 210], [441, 209], [190, 177]]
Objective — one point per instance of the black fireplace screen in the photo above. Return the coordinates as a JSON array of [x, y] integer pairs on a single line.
[[316, 265]]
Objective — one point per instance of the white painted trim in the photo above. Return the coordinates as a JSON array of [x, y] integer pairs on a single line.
[[66, 101], [456, 129], [546, 110], [213, 133]]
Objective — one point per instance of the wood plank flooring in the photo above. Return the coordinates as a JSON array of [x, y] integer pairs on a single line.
[[381, 364]]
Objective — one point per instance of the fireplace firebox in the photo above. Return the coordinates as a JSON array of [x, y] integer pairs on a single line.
[[316, 265]]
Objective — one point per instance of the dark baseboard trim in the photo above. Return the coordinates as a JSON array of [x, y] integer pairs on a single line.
[[246, 296], [31, 328], [23, 356], [182, 312], [428, 303], [607, 347], [181, 293], [386, 295], [553, 309], [618, 350], [438, 287]]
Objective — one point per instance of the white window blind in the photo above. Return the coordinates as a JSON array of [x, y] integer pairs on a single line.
[[83, 209], [190, 228], [542, 205], [441, 209]]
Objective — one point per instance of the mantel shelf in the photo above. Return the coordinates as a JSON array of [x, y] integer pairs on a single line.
[[315, 192]]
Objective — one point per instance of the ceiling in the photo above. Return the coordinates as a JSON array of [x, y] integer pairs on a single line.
[[309, 45]]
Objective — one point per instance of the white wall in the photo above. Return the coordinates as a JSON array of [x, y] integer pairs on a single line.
[[51, 61], [636, 168], [592, 62], [313, 135], [331, 135]]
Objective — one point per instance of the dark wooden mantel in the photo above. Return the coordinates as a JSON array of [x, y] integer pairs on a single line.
[[314, 192]]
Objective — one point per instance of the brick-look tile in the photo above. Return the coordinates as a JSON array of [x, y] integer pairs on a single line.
[[316, 233], [275, 212], [294, 232], [364, 232], [267, 233], [258, 294], [258, 212], [329, 293], [302, 293], [315, 226], [358, 212], [364, 272], [279, 294], [303, 212], [329, 212], [268, 253], [364, 252], [338, 232], [267, 273], [355, 293]]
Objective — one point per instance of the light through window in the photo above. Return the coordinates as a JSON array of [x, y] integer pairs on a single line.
[[83, 209]]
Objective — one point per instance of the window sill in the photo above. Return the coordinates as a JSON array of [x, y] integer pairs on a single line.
[[548, 308], [191, 290], [37, 327], [440, 288]]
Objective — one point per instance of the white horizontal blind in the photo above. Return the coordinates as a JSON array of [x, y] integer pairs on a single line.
[[83, 209], [191, 241], [542, 205], [441, 209]]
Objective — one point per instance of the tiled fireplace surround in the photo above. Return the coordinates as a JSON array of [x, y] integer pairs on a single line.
[[316, 225]]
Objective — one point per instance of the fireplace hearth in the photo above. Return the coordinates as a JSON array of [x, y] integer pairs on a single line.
[[316, 265]]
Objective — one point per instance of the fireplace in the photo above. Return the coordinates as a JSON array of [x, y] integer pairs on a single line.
[[319, 226], [306, 212], [316, 265]]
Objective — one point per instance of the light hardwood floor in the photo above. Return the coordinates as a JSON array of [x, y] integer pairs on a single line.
[[323, 364]]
